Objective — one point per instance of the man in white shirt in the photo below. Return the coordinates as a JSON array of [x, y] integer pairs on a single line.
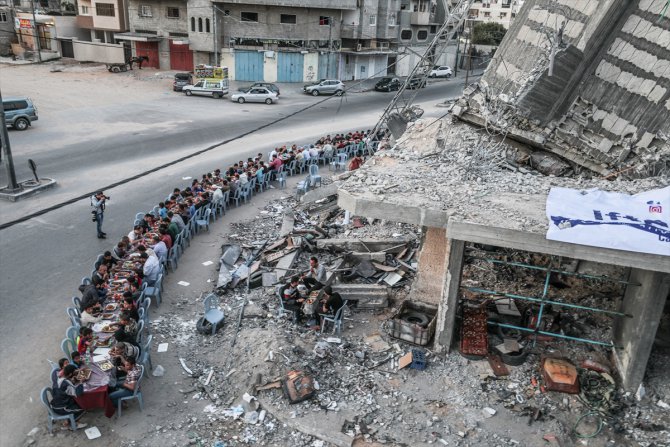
[[160, 249], [313, 152], [305, 154], [151, 269]]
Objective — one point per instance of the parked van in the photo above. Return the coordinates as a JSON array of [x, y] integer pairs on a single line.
[[19, 112]]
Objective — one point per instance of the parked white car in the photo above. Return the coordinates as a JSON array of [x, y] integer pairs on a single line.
[[215, 88], [255, 94], [441, 71]]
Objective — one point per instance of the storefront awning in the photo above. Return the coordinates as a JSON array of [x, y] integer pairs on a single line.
[[138, 37]]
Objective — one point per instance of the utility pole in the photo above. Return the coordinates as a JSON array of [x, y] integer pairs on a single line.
[[12, 185], [458, 47], [35, 34], [330, 46], [216, 49], [468, 45]]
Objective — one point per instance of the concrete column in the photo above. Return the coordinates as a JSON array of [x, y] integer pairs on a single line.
[[430, 280], [635, 335], [446, 312]]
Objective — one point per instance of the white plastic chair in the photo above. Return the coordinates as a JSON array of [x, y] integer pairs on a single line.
[[335, 319]]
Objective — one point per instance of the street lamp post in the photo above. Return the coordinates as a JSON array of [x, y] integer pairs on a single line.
[[12, 185]]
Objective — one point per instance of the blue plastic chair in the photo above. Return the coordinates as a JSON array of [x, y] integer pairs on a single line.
[[137, 394], [155, 291], [68, 347], [173, 255], [335, 319], [74, 315], [204, 221], [282, 180], [303, 186], [85, 281], [144, 306], [339, 162], [46, 395], [314, 176], [145, 354], [213, 314], [76, 301], [291, 168], [72, 333]]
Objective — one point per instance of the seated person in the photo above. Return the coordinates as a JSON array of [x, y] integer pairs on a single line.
[[76, 360], [148, 222], [128, 306], [332, 301], [290, 295], [85, 340], [127, 329], [108, 260], [62, 363], [90, 295], [63, 402], [119, 251], [91, 314], [151, 269], [120, 352], [316, 277], [127, 387]]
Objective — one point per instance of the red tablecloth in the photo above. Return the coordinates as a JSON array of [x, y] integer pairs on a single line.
[[97, 398]]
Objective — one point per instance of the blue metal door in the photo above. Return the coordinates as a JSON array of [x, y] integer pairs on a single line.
[[248, 65], [327, 66], [290, 67]]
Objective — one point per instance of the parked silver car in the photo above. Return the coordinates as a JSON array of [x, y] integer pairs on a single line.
[[19, 112], [325, 87], [256, 94]]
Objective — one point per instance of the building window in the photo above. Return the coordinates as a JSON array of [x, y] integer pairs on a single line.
[[406, 34], [193, 24], [3, 16], [503, 15], [249, 16], [373, 20], [433, 29], [145, 11], [513, 15], [104, 9], [487, 14], [84, 10], [324, 20], [422, 34], [207, 25], [288, 19], [172, 13], [199, 24], [392, 19]]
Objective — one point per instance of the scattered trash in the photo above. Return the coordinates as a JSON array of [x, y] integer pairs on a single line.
[[162, 347], [92, 433], [206, 263], [158, 371], [184, 283]]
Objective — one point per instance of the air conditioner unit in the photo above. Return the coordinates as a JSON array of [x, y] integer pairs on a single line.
[[359, 46]]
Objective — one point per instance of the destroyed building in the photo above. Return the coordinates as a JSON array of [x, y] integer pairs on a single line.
[[577, 96]]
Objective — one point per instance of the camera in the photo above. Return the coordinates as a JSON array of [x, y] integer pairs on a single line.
[[94, 217]]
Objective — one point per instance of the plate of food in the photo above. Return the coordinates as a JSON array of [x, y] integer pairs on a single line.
[[108, 328], [105, 366], [83, 374], [108, 316], [103, 343], [110, 307]]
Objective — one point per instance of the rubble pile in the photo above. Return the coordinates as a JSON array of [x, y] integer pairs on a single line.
[[469, 172], [363, 390]]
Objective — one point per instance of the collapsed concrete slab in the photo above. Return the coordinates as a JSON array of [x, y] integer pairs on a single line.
[[445, 175]]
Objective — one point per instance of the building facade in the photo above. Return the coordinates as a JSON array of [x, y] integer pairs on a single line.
[[498, 11], [158, 30], [103, 18], [291, 43]]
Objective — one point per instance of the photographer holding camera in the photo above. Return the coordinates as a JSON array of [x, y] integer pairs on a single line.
[[98, 203]]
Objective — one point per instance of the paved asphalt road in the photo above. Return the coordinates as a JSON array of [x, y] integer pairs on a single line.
[[44, 258]]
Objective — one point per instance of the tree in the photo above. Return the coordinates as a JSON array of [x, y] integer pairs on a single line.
[[488, 33]]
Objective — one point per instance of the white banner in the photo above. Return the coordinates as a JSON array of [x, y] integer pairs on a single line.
[[638, 223]]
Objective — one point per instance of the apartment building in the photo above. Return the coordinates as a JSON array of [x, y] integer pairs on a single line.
[[103, 18], [499, 11], [287, 43], [159, 30]]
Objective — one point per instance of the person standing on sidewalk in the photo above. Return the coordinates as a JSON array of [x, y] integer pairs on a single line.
[[98, 203]]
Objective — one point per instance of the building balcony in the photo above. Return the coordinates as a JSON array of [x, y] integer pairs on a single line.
[[419, 18], [351, 32], [85, 22]]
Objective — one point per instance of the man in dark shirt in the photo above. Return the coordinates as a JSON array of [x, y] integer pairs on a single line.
[[332, 301], [89, 294]]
